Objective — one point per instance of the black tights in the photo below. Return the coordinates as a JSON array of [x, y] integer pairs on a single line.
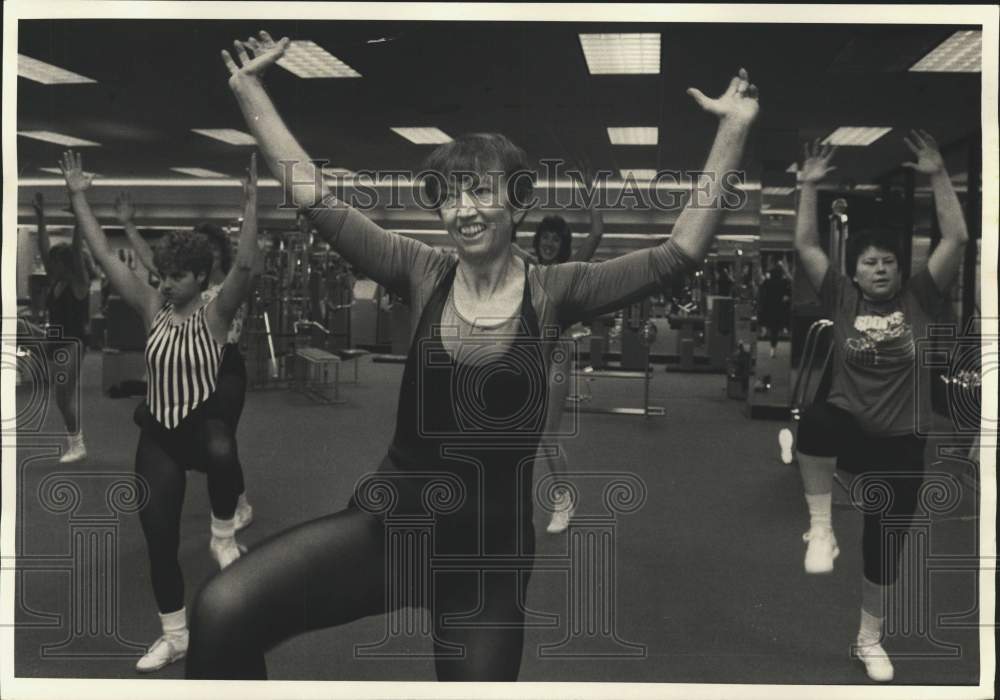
[[161, 460], [331, 571], [892, 467]]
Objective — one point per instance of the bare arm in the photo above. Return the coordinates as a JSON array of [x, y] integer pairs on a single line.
[[236, 286], [947, 256], [43, 235], [134, 291], [736, 109], [812, 257], [125, 210], [589, 247], [81, 275]]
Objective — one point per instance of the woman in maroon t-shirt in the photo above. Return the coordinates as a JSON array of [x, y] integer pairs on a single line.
[[871, 417]]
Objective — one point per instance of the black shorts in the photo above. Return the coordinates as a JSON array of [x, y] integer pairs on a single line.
[[826, 430]]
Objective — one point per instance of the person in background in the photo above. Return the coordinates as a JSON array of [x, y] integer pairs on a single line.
[[231, 386], [182, 420], [552, 245], [68, 306], [871, 421]]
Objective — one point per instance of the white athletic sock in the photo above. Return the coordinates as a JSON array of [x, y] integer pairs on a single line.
[[820, 510], [223, 529], [870, 631], [174, 623]]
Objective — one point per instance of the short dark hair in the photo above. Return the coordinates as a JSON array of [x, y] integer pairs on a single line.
[[557, 225], [479, 153], [220, 241], [183, 251], [860, 241], [62, 253]]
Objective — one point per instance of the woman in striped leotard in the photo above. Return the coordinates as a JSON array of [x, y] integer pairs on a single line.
[[180, 424]]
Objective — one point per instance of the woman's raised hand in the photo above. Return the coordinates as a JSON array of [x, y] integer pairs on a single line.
[[72, 169], [925, 148], [124, 208], [816, 164], [254, 56], [738, 104]]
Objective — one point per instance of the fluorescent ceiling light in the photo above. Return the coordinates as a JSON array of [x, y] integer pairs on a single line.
[[61, 139], [234, 137], [198, 172], [621, 54], [856, 135], [46, 73], [868, 188], [422, 134], [633, 135], [307, 59], [962, 52], [781, 191], [639, 174]]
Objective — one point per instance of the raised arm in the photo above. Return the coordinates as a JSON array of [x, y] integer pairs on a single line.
[[736, 109], [134, 291], [80, 271], [388, 258], [236, 286], [125, 211], [812, 257], [589, 247], [585, 290], [38, 204], [947, 256]]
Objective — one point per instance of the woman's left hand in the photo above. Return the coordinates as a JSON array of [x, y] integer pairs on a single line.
[[738, 104], [925, 148]]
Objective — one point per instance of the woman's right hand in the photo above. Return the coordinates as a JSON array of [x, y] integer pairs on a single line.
[[816, 165], [264, 51], [72, 169], [124, 209]]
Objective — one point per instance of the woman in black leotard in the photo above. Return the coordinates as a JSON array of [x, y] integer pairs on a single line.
[[68, 305], [183, 423], [471, 410]]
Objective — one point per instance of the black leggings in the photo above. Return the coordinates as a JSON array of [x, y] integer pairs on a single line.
[[892, 468], [231, 388], [331, 571], [203, 440]]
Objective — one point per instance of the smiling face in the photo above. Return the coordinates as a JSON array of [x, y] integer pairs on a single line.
[[549, 244], [478, 219], [877, 273]]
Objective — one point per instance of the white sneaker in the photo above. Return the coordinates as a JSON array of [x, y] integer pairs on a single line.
[[785, 441], [75, 450], [822, 550], [876, 661], [225, 550], [564, 510], [244, 514], [164, 651]]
